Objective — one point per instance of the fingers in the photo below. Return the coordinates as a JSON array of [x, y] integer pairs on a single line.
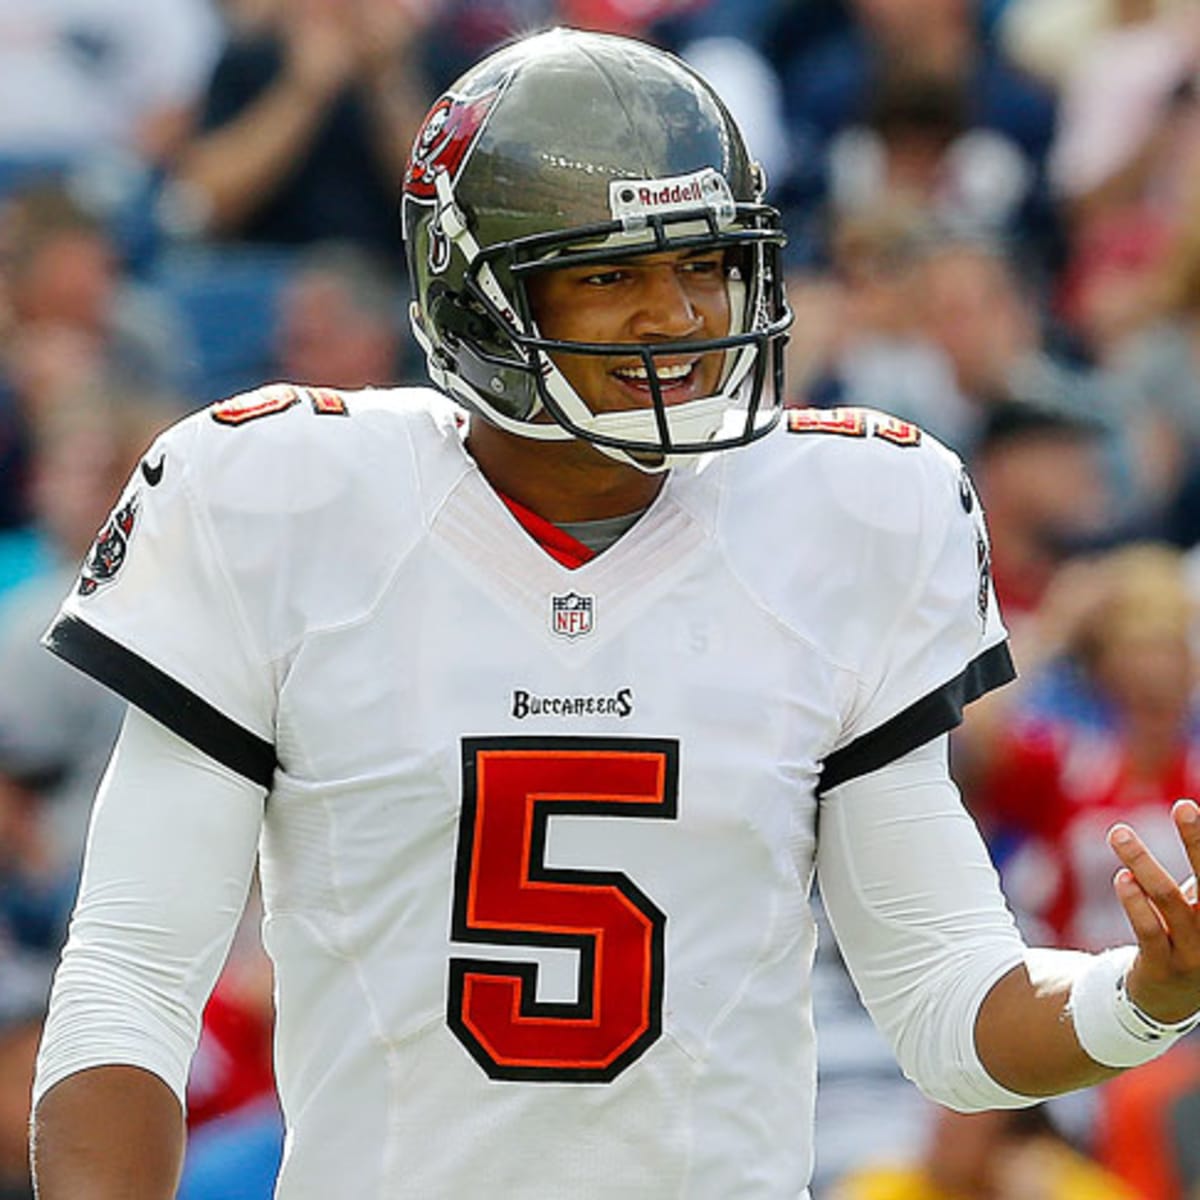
[[1147, 889], [1187, 821], [1143, 917], [1165, 977]]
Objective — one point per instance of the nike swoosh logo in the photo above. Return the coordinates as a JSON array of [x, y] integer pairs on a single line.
[[153, 475]]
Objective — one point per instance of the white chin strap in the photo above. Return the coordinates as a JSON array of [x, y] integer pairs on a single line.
[[695, 422]]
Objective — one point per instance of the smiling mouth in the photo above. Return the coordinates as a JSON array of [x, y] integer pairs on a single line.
[[672, 377]]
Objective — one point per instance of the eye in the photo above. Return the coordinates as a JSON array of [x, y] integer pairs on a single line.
[[709, 265], [604, 278]]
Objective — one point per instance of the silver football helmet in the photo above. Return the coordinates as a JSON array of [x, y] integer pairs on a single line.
[[568, 148]]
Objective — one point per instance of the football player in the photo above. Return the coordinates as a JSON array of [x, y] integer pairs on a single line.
[[540, 698]]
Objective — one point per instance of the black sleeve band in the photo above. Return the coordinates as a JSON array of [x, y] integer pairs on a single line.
[[163, 698], [937, 713]]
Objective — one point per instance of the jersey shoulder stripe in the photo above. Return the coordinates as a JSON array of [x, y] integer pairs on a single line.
[[935, 713], [163, 698]]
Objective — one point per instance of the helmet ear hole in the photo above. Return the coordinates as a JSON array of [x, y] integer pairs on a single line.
[[449, 314], [480, 353]]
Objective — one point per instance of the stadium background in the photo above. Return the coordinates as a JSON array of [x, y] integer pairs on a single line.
[[994, 219]]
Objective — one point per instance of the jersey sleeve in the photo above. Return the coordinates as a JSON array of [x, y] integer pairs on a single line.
[[160, 893], [917, 909], [938, 641], [156, 614]]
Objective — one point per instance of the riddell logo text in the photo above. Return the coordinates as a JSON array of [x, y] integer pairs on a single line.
[[678, 193], [527, 704]]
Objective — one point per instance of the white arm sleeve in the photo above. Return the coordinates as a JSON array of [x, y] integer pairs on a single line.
[[170, 856], [915, 904]]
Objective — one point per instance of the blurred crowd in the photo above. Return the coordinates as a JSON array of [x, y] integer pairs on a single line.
[[993, 210]]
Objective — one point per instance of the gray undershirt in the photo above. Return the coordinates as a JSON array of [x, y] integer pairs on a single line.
[[597, 536]]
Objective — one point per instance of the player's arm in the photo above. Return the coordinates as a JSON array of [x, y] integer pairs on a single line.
[[976, 1019], [1024, 1032], [1028, 1031], [236, 166], [108, 1132], [170, 856]]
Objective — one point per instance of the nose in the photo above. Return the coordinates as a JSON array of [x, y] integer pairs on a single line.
[[665, 309]]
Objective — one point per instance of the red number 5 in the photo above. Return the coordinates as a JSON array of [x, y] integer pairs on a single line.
[[505, 894]]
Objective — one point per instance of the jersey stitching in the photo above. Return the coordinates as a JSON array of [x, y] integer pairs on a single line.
[[370, 607], [465, 467], [777, 620], [761, 605], [920, 581], [428, 519], [341, 942], [213, 546]]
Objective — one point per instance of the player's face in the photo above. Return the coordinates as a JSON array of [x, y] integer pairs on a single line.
[[675, 296]]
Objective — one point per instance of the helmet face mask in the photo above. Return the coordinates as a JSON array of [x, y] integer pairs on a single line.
[[494, 204]]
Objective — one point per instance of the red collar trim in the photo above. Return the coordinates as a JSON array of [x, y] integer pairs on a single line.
[[569, 551]]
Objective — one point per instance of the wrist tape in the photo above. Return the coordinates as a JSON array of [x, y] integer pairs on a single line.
[[1112, 1030]]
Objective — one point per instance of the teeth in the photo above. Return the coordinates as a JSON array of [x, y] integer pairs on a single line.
[[665, 373]]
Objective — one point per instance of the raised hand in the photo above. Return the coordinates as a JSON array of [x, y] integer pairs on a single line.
[[387, 31], [320, 46], [1164, 981]]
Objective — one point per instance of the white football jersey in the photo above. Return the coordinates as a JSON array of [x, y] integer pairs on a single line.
[[538, 842]]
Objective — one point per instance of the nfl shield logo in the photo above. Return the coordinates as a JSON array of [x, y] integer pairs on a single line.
[[571, 616]]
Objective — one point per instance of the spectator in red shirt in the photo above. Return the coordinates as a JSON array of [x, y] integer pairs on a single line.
[[1109, 729]]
